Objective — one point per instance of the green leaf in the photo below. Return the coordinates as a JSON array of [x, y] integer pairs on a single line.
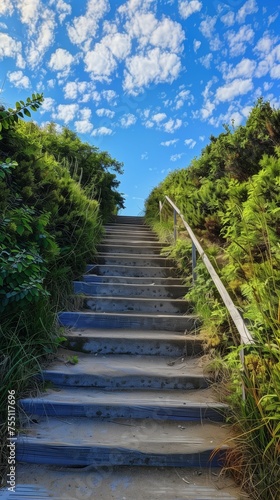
[[18, 106], [20, 230], [27, 112]]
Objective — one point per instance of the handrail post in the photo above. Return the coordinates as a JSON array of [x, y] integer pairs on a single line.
[[175, 224], [193, 262], [160, 210]]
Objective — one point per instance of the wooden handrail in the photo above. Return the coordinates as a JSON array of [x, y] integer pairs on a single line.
[[245, 335]]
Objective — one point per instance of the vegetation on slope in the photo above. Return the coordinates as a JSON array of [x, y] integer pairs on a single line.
[[230, 197], [55, 193]]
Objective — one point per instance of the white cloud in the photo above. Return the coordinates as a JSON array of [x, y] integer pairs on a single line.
[[233, 89], [158, 117], [238, 40], [228, 19], [207, 26], [190, 142], [127, 120], [206, 60], [77, 89], [102, 131], [176, 157], [196, 45], [244, 69], [9, 47], [100, 62], [154, 67], [66, 112], [275, 71], [29, 11], [119, 44], [83, 126], [19, 80], [105, 112], [169, 143], [202, 138], [45, 36], [48, 105], [172, 125], [61, 61], [63, 9], [182, 97], [232, 115], [110, 96], [187, 8], [265, 44], [85, 27], [145, 156], [249, 7], [6, 8], [272, 18]]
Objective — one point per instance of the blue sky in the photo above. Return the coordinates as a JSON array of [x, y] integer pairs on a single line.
[[148, 81]]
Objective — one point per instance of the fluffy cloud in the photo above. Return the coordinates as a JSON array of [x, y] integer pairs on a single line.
[[105, 112], [48, 105], [244, 69], [196, 45], [83, 126], [9, 47], [29, 12], [207, 26], [275, 71], [176, 157], [85, 27], [206, 60], [127, 120], [6, 8], [102, 131], [18, 79], [45, 36], [228, 19], [61, 61], [249, 7], [169, 143], [187, 8], [154, 67], [190, 142], [172, 125], [182, 97], [158, 117], [238, 40], [63, 9], [233, 89], [66, 112], [100, 62]]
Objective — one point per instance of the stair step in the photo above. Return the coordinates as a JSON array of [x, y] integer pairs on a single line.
[[140, 228], [134, 281], [141, 404], [126, 238], [148, 343], [170, 322], [120, 372], [131, 290], [137, 483], [135, 249], [83, 442], [134, 305], [131, 270], [133, 260]]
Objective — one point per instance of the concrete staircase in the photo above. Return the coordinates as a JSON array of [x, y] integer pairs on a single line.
[[134, 418]]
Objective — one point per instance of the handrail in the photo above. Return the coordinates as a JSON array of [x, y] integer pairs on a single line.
[[245, 335]]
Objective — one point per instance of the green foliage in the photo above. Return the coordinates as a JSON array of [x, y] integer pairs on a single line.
[[8, 117], [230, 197]]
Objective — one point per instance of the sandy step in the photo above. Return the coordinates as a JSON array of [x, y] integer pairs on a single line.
[[119, 372], [157, 405], [83, 441], [123, 483], [148, 343]]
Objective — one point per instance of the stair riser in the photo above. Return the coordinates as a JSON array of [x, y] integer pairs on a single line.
[[183, 414], [132, 271], [186, 382], [138, 282], [126, 305], [41, 453], [147, 347], [124, 238], [92, 320], [120, 260], [124, 290], [132, 249]]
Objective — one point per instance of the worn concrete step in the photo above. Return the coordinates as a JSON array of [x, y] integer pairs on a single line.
[[135, 249], [148, 343], [128, 228], [129, 219], [119, 372], [134, 305], [136, 321], [131, 271], [129, 290], [84, 441], [134, 280], [119, 483], [125, 237], [157, 405], [133, 260]]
